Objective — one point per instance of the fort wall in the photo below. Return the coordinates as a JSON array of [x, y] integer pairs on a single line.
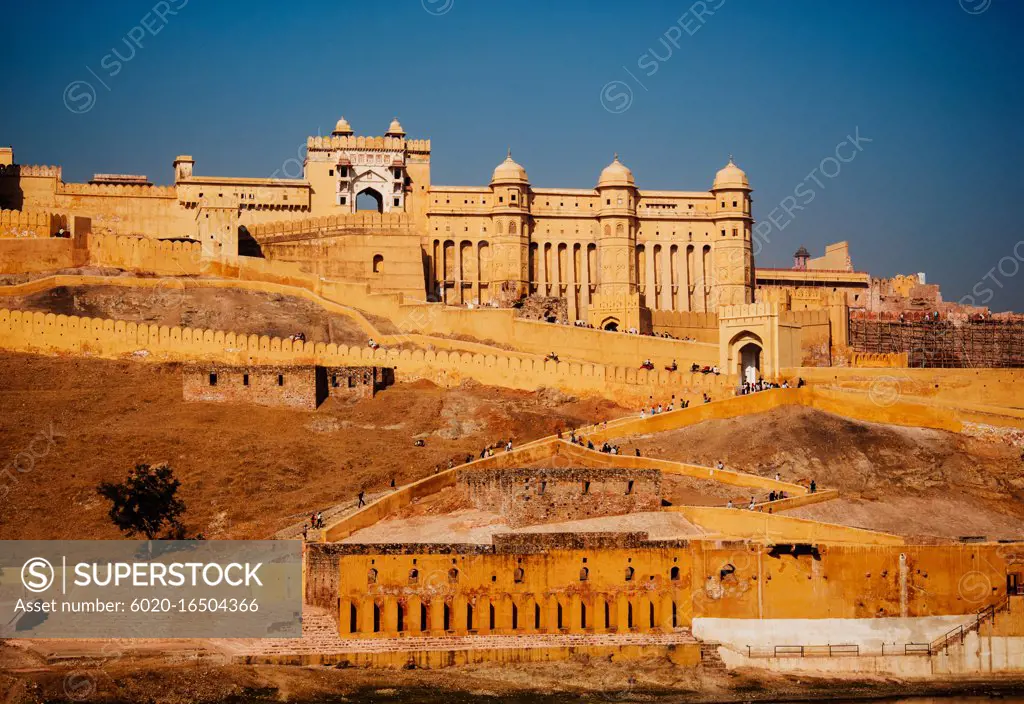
[[531, 496], [50, 333], [753, 482], [29, 223], [145, 255], [759, 525], [702, 327], [33, 254], [625, 583], [969, 389]]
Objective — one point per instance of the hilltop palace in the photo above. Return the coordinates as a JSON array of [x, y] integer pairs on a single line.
[[614, 257]]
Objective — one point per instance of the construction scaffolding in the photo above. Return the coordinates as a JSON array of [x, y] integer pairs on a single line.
[[943, 343]]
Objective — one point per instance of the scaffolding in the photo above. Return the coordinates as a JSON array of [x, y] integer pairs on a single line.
[[943, 343]]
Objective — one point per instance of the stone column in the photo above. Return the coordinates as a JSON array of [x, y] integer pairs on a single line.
[[585, 291], [684, 279], [479, 272], [389, 616], [622, 613], [542, 269], [345, 617], [552, 620], [556, 273], [435, 617], [460, 268], [651, 294], [666, 277], [570, 291]]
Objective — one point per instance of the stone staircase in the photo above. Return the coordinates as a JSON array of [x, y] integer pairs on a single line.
[[710, 660]]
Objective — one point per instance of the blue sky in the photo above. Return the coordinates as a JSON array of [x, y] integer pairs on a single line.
[[673, 87]]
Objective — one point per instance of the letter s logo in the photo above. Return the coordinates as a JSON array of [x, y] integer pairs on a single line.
[[37, 575]]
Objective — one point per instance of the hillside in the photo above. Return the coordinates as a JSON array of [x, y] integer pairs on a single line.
[[246, 471], [235, 310], [921, 483]]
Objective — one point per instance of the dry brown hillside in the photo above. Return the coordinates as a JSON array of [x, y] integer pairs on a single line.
[[912, 481], [235, 310], [245, 471]]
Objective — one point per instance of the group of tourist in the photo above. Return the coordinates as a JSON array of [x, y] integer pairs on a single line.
[[488, 451], [748, 387], [316, 520], [659, 409], [773, 495]]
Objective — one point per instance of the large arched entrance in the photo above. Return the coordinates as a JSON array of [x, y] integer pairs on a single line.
[[746, 356], [610, 324], [369, 199], [750, 362]]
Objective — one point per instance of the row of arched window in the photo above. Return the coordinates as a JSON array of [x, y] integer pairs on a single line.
[[605, 618]]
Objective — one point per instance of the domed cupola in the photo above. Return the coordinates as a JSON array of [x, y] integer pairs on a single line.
[[342, 129], [730, 177], [395, 129], [616, 174], [509, 171]]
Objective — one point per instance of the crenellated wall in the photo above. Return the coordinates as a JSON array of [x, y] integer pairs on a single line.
[[30, 223], [143, 254], [48, 333], [702, 327], [330, 224]]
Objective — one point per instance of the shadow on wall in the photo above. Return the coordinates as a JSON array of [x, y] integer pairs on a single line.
[[247, 244], [11, 195]]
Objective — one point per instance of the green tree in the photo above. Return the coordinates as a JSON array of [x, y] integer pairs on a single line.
[[145, 502]]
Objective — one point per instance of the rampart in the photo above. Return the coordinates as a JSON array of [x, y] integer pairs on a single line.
[[328, 225], [28, 223], [146, 255], [702, 327], [48, 333], [530, 496]]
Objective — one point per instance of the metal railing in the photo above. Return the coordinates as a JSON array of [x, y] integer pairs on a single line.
[[954, 635], [959, 633], [802, 651]]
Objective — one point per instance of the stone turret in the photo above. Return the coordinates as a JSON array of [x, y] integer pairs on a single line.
[[510, 214], [732, 273]]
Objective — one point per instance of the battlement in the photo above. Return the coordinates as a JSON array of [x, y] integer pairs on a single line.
[[528, 496], [355, 221], [115, 189], [29, 223], [748, 310], [26, 170], [121, 179], [396, 144], [173, 257]]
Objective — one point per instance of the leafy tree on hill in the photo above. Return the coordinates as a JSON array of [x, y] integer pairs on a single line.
[[145, 502]]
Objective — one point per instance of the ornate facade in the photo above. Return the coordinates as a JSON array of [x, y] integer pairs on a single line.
[[616, 253]]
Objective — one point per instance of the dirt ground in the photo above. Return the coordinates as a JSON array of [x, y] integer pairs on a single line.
[[24, 679], [246, 472], [925, 484], [235, 310]]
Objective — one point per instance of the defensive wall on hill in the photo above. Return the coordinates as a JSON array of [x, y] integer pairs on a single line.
[[448, 327], [49, 333], [184, 259]]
